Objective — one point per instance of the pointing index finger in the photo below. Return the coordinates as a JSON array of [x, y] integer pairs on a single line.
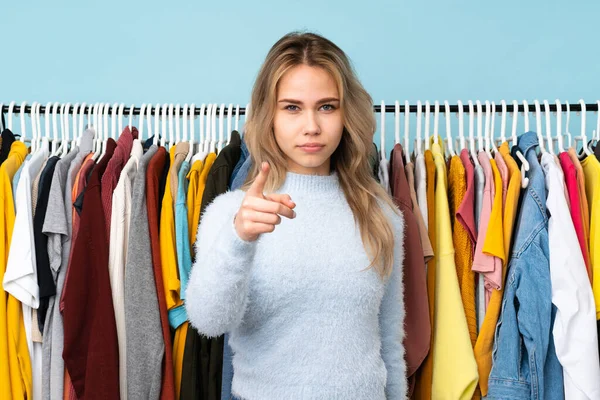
[[257, 187]]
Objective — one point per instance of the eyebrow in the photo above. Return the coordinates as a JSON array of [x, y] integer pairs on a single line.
[[324, 100]]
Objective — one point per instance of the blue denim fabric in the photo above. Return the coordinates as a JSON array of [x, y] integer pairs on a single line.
[[227, 352], [524, 362], [233, 183]]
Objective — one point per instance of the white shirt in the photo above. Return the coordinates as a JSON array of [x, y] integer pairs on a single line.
[[20, 278], [119, 233], [574, 330], [384, 174], [421, 186]]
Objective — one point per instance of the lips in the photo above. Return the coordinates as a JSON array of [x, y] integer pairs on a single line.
[[312, 145]]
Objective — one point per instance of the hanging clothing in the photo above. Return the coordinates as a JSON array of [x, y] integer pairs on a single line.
[[463, 256], [192, 200], [241, 166], [145, 342], [585, 212], [91, 323], [425, 243], [485, 339], [591, 169], [480, 181], [384, 174], [574, 329], [15, 370], [421, 187], [156, 167], [7, 138], [257, 375], [528, 326], [417, 325], [454, 368]]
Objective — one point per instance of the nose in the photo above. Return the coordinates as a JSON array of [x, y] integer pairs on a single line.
[[312, 124]]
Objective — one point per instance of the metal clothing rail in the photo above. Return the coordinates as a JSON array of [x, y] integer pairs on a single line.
[[454, 108]]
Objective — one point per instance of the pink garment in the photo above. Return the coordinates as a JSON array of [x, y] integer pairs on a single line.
[[489, 266], [465, 214], [503, 168]]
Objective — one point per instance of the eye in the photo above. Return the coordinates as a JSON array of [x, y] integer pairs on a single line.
[[331, 107], [291, 105]]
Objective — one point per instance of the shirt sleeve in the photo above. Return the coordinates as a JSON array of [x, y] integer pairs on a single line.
[[217, 292], [391, 320]]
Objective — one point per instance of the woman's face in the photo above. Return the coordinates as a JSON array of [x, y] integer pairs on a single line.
[[308, 120]]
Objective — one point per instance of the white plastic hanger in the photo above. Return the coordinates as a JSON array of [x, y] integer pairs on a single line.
[[598, 121], [99, 111], [130, 122], [201, 154], [246, 113], [559, 137], [538, 125], [503, 122], [526, 115], [47, 123], [382, 128], [34, 130], [23, 126], [120, 120], [524, 162], [419, 115], [163, 139], [406, 130], [75, 117], [141, 121], [213, 120], [548, 127], [492, 128], [184, 115], [97, 133], [567, 130], [156, 124], [436, 121], [113, 120], [177, 127], [54, 129], [80, 131], [583, 136], [2, 127], [192, 114], [471, 133], [480, 147], [427, 115], [448, 129], [229, 116], [11, 108], [461, 125], [237, 119], [171, 135], [148, 116], [396, 122], [221, 141], [487, 132], [64, 145]]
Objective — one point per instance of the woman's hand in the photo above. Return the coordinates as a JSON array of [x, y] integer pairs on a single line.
[[259, 213]]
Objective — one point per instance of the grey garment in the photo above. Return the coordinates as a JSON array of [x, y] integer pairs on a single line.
[[480, 292], [145, 343], [57, 226]]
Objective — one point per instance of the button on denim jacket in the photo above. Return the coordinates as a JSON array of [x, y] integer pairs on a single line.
[[524, 362]]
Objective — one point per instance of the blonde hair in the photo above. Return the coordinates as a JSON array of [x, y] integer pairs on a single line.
[[350, 159]]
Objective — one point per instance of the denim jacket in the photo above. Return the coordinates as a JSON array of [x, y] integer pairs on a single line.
[[524, 362]]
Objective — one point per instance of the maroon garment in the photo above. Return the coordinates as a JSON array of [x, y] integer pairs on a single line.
[[417, 325], [465, 213], [91, 350], [153, 174], [110, 179]]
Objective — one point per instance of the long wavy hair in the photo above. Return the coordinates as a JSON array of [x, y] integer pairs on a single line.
[[350, 159]]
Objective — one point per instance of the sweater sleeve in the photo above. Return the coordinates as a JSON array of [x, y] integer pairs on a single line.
[[217, 292], [391, 320]]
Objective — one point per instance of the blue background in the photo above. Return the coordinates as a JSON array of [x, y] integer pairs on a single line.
[[149, 52]]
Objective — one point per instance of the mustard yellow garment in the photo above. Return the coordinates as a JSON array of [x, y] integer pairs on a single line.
[[168, 247], [454, 369], [591, 170], [15, 364], [485, 340]]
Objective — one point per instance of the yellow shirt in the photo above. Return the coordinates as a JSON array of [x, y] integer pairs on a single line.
[[591, 170], [485, 340], [168, 246], [454, 368], [15, 364], [193, 177]]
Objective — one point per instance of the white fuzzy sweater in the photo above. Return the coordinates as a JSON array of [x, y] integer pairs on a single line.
[[305, 322]]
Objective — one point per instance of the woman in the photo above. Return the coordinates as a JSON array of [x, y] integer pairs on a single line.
[[302, 265]]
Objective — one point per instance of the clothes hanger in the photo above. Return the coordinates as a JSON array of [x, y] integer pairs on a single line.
[[492, 129], [75, 117], [113, 120], [524, 162], [229, 116], [192, 111], [406, 130], [164, 126], [567, 131], [598, 122], [548, 128], [148, 116], [141, 122], [100, 129], [247, 113], [55, 129], [503, 122], [130, 122], [177, 128], [382, 125], [2, 127], [80, 130], [97, 133], [200, 154], [156, 124], [448, 129], [11, 108], [237, 118], [480, 128], [120, 120], [538, 125], [221, 119], [471, 133], [171, 136], [396, 122], [436, 121], [427, 120], [184, 117], [487, 130], [213, 141], [34, 130], [104, 118], [583, 136], [559, 137], [65, 124], [23, 126], [419, 115], [461, 125]]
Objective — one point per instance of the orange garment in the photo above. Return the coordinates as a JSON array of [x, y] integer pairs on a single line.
[[425, 374], [463, 256], [485, 340]]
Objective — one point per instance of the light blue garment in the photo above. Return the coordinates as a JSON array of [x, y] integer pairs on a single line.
[[227, 378], [480, 293], [243, 157], [177, 315], [524, 361], [17, 176]]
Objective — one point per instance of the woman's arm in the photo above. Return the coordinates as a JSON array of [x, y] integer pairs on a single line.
[[216, 296], [391, 320]]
